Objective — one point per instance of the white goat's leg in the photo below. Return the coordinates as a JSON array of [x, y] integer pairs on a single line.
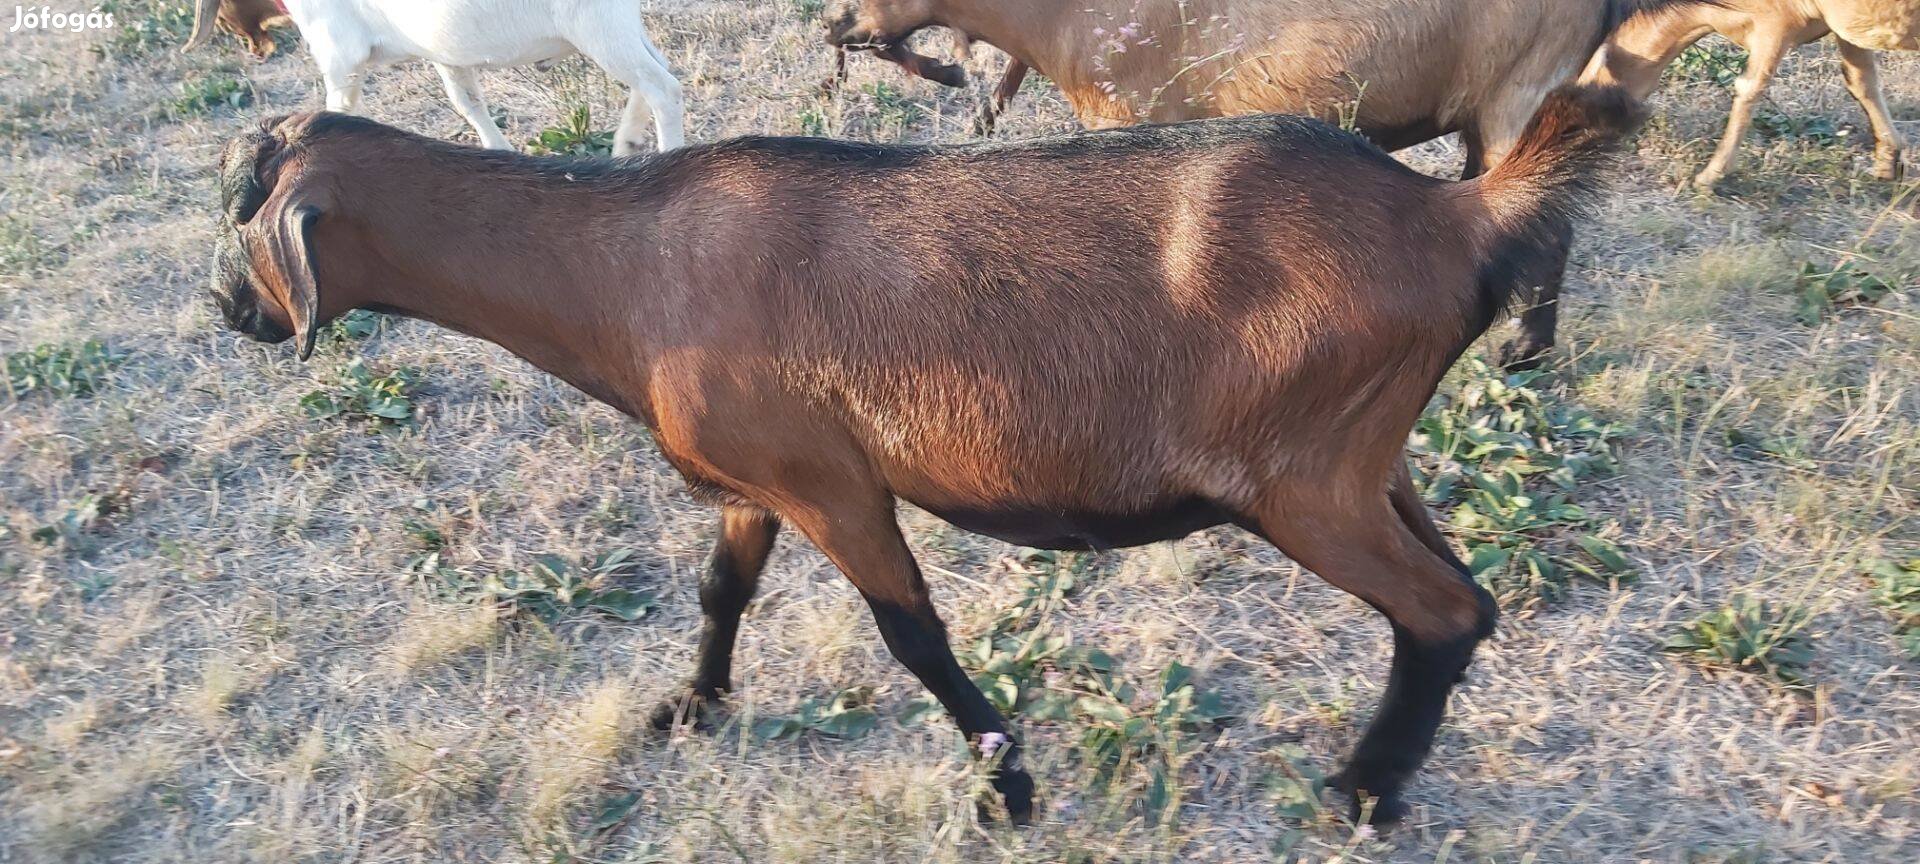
[[619, 43], [463, 90], [343, 90], [1862, 72], [1764, 51]]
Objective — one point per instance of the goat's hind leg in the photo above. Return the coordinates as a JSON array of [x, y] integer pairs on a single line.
[[463, 90], [733, 575], [1438, 616], [618, 43], [1862, 72]]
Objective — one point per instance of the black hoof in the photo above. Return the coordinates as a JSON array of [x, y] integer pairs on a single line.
[[1518, 356], [1016, 790], [693, 711], [1377, 809]]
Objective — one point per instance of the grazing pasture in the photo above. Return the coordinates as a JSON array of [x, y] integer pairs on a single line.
[[411, 601]]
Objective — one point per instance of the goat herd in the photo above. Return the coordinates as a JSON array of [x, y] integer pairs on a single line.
[[1151, 330]]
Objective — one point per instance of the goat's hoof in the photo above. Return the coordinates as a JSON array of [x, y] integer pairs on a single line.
[[983, 121], [1523, 355], [1016, 790], [1888, 169], [693, 711], [1707, 181], [1380, 810]]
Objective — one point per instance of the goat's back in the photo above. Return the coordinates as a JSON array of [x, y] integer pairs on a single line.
[[1199, 290]]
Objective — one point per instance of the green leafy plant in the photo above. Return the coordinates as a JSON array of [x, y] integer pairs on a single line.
[[60, 370], [1710, 62], [813, 122], [553, 588], [1027, 669], [141, 26], [1750, 634], [1821, 291], [845, 714], [205, 94], [892, 106], [358, 392], [573, 136], [1503, 456], [79, 517], [354, 326], [1777, 125], [1294, 790], [809, 10], [1897, 589]]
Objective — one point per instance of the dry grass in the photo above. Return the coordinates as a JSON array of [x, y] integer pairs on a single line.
[[238, 658]]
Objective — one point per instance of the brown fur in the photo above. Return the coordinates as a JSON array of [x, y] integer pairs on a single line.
[[247, 20], [1230, 321]]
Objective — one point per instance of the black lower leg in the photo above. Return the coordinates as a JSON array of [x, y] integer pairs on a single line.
[[1397, 740], [733, 575], [1542, 317], [919, 641]]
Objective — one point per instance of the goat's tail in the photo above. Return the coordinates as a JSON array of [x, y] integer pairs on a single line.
[[1548, 179]]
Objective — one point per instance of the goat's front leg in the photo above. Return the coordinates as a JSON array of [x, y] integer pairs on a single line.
[[1862, 70], [989, 113], [463, 90], [865, 543], [733, 574], [343, 90], [619, 43], [1765, 49]]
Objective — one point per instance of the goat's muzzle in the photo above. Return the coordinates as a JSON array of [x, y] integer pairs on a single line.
[[232, 288]]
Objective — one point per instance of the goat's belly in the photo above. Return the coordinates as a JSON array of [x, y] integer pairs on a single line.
[[1067, 529]]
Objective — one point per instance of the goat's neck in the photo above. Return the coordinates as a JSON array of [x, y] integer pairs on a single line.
[[1014, 26], [528, 278]]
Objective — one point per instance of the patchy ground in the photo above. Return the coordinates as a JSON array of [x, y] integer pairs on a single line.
[[257, 610]]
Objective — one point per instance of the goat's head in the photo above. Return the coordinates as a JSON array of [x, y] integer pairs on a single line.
[[246, 19], [875, 23], [271, 200]]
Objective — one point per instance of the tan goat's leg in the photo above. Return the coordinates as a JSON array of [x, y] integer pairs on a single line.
[[1764, 51], [1862, 70]]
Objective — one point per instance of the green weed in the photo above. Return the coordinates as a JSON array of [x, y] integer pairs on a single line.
[[1822, 291], [1711, 62], [1750, 634], [359, 393], [60, 370], [1503, 456], [845, 714], [143, 26], [211, 92], [550, 590], [1897, 589], [573, 136]]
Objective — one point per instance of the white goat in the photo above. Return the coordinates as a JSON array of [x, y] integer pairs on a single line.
[[350, 37]]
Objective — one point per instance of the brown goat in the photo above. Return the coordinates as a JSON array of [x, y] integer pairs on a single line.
[[1768, 29], [247, 20], [1155, 330], [1400, 71]]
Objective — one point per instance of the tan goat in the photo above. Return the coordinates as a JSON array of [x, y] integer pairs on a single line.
[[1398, 71], [1642, 47]]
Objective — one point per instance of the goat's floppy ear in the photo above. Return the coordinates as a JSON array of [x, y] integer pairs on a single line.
[[288, 243]]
